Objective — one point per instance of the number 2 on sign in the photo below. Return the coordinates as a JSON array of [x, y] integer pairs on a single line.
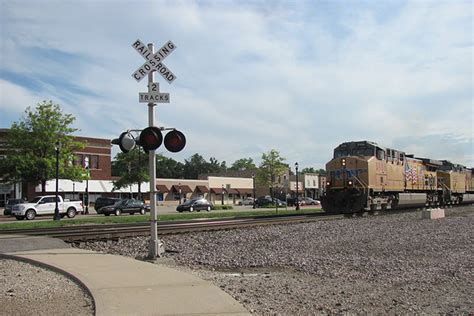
[[154, 87]]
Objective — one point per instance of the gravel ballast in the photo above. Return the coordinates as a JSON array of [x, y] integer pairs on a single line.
[[384, 264], [26, 289]]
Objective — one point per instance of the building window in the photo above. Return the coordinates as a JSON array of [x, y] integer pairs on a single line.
[[314, 182], [87, 161], [95, 162], [78, 160]]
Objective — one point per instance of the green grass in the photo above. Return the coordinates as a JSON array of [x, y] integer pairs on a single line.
[[223, 207], [145, 218]]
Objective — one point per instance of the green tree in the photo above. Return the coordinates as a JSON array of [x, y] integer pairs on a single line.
[[215, 166], [195, 165], [131, 167], [168, 168], [31, 154], [243, 164], [321, 172], [271, 167], [313, 170]]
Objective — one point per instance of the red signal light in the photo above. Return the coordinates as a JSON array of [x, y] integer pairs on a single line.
[[151, 138], [175, 141]]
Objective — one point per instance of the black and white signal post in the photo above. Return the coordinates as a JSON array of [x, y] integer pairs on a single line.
[[154, 62]]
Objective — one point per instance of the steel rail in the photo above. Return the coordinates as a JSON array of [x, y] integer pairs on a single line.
[[115, 231]]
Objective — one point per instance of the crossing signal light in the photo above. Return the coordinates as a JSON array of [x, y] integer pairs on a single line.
[[175, 141], [151, 138], [125, 141]]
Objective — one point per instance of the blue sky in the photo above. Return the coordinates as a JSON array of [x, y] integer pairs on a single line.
[[297, 76]]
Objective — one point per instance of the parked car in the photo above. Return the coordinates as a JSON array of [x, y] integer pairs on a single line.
[[130, 206], [10, 204], [46, 205], [264, 201], [104, 201], [292, 201], [247, 201], [279, 202], [309, 201], [195, 205]]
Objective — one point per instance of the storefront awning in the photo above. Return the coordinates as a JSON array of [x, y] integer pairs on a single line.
[[245, 191], [232, 191], [162, 188], [202, 188], [184, 188], [217, 190]]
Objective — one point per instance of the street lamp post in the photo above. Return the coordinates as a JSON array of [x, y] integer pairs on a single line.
[[179, 191], [253, 181], [57, 147], [87, 184], [297, 200], [73, 190], [139, 172], [222, 195]]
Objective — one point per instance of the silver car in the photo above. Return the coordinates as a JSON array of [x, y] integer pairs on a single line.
[[246, 201]]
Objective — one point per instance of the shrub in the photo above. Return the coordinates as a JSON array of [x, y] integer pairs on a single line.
[[223, 207]]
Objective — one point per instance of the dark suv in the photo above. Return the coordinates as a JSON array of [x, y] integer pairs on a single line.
[[266, 201], [104, 201], [9, 205]]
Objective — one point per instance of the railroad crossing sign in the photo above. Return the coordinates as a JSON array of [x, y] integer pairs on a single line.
[[153, 95], [154, 61]]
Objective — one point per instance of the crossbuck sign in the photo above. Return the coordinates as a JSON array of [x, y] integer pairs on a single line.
[[154, 61]]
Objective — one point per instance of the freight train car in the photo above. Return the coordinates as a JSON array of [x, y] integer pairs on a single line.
[[363, 176]]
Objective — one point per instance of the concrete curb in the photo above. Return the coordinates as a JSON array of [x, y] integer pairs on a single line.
[[54, 269]]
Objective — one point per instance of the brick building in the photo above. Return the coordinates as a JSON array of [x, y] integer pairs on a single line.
[[228, 188], [97, 154]]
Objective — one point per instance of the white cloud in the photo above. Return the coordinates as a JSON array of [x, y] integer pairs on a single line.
[[13, 97], [253, 77]]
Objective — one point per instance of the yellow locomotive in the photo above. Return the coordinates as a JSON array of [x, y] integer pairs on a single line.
[[363, 176]]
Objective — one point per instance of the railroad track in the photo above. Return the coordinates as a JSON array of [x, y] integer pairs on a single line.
[[115, 231]]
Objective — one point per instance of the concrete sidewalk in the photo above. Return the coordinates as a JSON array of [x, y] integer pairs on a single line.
[[125, 286]]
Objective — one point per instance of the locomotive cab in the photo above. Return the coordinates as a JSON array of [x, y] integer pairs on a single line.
[[347, 185]]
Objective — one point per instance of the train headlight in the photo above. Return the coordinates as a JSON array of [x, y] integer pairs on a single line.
[[343, 162], [350, 182], [328, 183]]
